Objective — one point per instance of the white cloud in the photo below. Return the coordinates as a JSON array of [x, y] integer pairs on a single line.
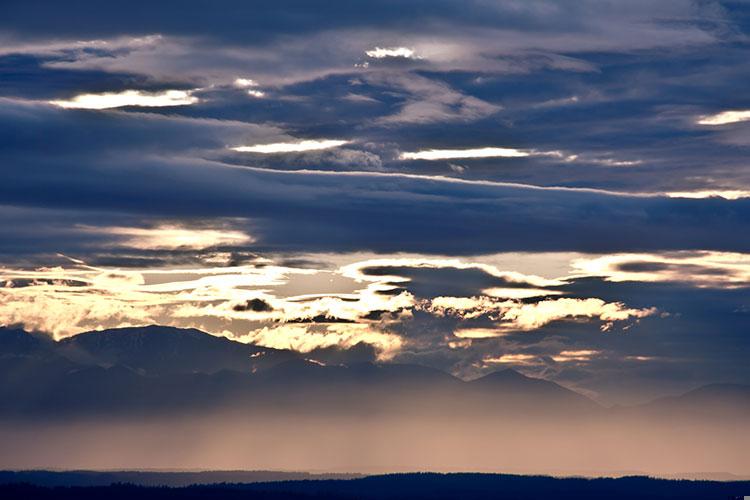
[[512, 315], [702, 269], [503, 152], [251, 86], [304, 339], [245, 82], [167, 236], [513, 359], [290, 147], [453, 154], [725, 117], [573, 356], [109, 100], [728, 194], [383, 52]]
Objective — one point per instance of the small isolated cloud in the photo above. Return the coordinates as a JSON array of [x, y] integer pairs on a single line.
[[245, 82], [384, 52], [453, 154], [575, 356], [251, 86], [110, 100], [290, 147], [254, 305], [725, 117], [513, 359]]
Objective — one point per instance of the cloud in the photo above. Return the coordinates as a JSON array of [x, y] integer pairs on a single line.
[[169, 236], [453, 154], [305, 339], [291, 147], [572, 91], [382, 52], [129, 98], [430, 101], [520, 316], [575, 356], [725, 117], [701, 268], [513, 359], [254, 305], [727, 194], [245, 82]]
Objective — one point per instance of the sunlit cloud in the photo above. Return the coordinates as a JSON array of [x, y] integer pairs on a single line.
[[502, 152], [305, 339], [575, 356], [519, 293], [129, 98], [227, 301], [725, 117], [251, 86], [384, 52], [454, 154], [519, 316], [245, 82], [290, 147], [357, 270], [727, 194], [641, 359], [701, 269], [478, 333], [513, 359], [170, 237], [533, 316]]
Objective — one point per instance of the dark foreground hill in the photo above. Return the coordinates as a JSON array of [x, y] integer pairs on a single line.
[[408, 486]]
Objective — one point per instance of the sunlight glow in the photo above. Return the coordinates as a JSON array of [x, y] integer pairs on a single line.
[[290, 147], [453, 154], [515, 359], [129, 98], [383, 52], [703, 269], [568, 356], [727, 194], [725, 117], [175, 237]]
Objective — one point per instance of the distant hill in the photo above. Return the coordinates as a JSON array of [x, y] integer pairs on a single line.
[[160, 350], [714, 400], [411, 487], [155, 478]]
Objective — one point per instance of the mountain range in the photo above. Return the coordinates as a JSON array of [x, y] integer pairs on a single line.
[[159, 397], [156, 369]]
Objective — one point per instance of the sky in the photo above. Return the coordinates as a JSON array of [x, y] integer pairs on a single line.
[[559, 187]]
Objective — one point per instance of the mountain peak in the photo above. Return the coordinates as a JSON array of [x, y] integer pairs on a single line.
[[508, 375]]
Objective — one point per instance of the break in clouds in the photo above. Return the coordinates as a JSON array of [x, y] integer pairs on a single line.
[[555, 187]]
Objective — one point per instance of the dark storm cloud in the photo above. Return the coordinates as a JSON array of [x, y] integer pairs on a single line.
[[255, 305], [450, 281], [237, 20], [111, 162]]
